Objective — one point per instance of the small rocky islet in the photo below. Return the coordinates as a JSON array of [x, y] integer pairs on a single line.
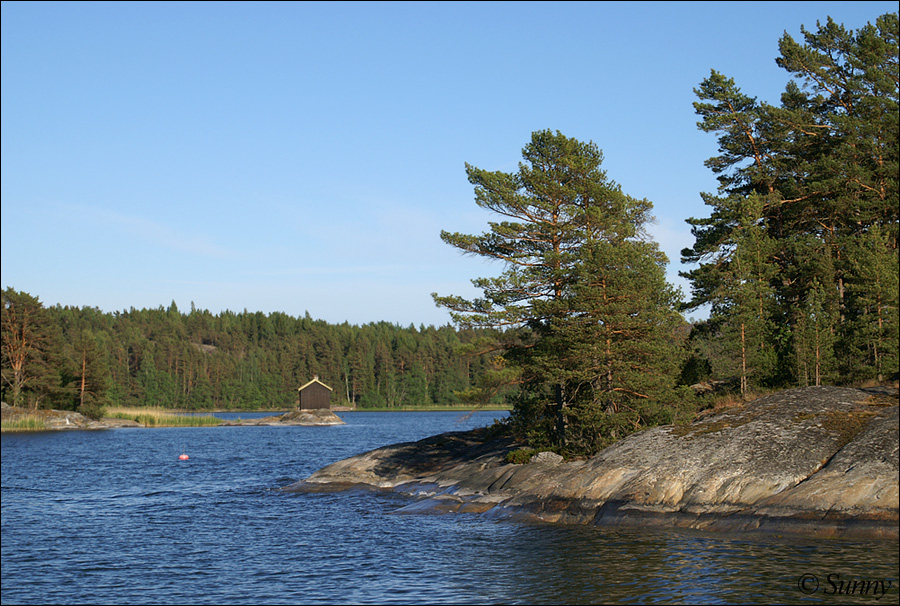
[[816, 461], [67, 419]]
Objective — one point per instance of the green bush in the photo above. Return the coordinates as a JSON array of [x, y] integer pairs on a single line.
[[520, 456], [95, 412]]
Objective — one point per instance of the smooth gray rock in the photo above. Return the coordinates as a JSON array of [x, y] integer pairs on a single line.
[[818, 461], [547, 458], [295, 417], [64, 419]]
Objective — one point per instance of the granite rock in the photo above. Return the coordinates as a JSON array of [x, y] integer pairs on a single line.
[[818, 461]]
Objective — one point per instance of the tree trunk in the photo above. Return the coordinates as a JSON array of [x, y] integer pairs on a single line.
[[83, 379], [745, 383]]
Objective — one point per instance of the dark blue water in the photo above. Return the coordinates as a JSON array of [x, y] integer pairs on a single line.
[[113, 517]]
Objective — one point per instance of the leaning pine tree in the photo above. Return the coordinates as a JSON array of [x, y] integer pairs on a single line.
[[591, 321]]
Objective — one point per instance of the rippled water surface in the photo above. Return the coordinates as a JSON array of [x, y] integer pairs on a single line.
[[114, 517]]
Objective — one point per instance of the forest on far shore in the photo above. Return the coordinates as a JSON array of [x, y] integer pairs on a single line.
[[79, 358]]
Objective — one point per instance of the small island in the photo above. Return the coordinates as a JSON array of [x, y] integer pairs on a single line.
[[294, 417], [314, 408]]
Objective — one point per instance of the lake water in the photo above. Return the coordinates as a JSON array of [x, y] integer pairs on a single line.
[[113, 517]]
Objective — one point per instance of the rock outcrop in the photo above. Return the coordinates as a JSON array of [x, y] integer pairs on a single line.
[[295, 417], [66, 419], [63, 419], [819, 461]]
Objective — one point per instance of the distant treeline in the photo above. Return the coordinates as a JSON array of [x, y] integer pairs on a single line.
[[68, 357]]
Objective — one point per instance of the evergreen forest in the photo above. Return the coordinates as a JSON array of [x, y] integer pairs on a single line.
[[580, 334], [82, 359], [798, 257]]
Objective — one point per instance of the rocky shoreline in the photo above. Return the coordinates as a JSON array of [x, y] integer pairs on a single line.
[[65, 419], [304, 418], [818, 461]]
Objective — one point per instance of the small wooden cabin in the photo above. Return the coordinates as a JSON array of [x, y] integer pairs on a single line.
[[315, 395]]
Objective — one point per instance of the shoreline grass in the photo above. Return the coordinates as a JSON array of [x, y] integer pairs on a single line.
[[160, 417], [23, 423]]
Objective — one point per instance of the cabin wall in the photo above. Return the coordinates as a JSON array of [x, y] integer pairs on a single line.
[[315, 397]]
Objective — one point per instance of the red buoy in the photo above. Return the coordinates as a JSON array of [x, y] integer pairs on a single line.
[[183, 457]]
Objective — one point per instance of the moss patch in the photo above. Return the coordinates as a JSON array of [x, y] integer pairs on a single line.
[[881, 400], [847, 425], [695, 430]]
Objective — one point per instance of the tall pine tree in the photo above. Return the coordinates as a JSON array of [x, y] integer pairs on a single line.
[[824, 164], [582, 286]]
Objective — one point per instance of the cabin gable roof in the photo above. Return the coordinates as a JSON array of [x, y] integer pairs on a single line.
[[317, 381]]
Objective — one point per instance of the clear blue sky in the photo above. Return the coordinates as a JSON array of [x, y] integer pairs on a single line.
[[303, 157]]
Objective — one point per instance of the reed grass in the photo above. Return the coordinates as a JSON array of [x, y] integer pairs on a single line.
[[23, 423], [161, 417]]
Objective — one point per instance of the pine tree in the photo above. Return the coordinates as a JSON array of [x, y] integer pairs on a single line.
[[824, 165], [27, 340], [91, 371], [873, 301], [583, 289]]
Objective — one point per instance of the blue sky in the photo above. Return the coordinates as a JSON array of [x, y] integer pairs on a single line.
[[304, 157]]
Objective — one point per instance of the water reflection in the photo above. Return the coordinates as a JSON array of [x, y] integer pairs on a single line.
[[589, 565], [114, 517]]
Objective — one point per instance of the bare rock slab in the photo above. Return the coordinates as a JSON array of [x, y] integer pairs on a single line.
[[819, 461], [307, 418]]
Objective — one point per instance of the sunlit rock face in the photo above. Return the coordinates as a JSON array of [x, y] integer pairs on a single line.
[[296, 417], [821, 461]]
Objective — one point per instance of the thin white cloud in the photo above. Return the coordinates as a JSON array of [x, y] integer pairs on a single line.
[[153, 232]]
